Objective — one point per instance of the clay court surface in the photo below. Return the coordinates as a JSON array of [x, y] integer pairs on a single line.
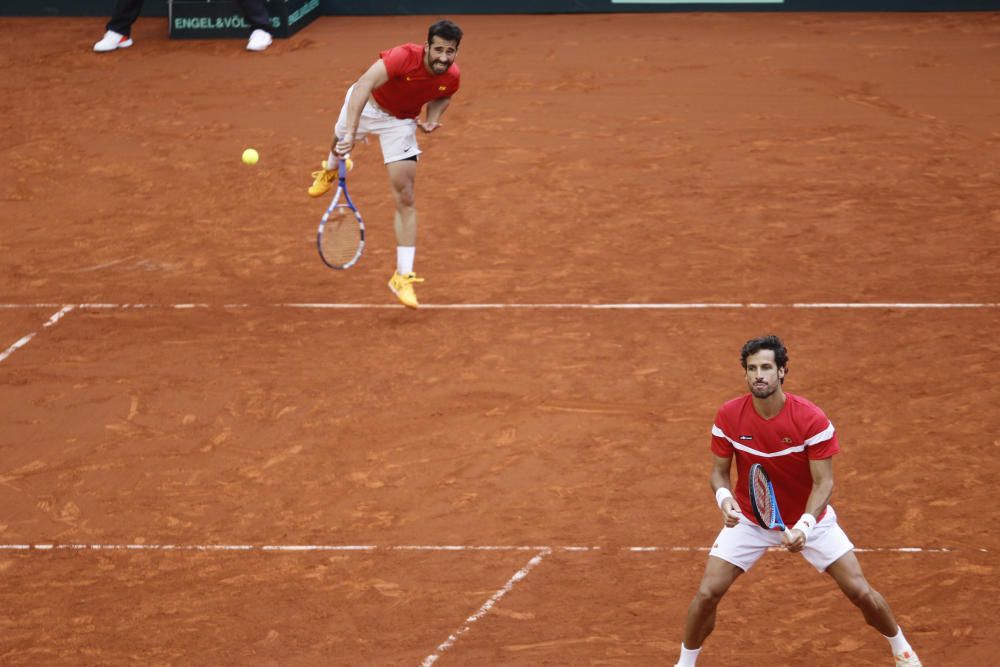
[[175, 381]]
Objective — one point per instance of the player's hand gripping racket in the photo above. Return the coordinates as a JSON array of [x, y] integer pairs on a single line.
[[341, 235], [765, 505]]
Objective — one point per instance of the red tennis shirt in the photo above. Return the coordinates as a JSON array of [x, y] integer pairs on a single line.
[[410, 85], [783, 444]]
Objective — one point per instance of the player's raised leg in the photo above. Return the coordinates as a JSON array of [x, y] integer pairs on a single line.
[[846, 571], [324, 179], [719, 576], [402, 178]]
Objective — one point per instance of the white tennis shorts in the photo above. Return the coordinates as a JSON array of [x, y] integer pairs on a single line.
[[397, 136], [744, 544]]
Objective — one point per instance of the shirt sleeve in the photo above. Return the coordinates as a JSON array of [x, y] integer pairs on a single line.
[[395, 60], [721, 446], [823, 443]]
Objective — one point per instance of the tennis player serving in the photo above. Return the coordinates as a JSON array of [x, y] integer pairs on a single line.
[[386, 101], [794, 442]]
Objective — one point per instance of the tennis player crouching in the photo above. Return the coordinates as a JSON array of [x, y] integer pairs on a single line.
[[795, 442]]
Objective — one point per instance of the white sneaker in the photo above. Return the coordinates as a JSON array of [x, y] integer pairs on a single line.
[[111, 41], [259, 40]]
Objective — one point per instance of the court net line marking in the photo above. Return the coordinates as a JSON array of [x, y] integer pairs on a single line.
[[299, 548], [27, 339], [511, 306], [485, 608]]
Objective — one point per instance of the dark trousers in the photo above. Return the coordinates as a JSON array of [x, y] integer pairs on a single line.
[[127, 11], [125, 15]]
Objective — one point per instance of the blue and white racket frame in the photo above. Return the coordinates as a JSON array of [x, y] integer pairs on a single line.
[[348, 204]]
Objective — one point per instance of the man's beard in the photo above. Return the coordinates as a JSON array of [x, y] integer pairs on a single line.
[[763, 392]]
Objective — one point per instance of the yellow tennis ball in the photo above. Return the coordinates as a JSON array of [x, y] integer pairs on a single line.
[[250, 156], [349, 164]]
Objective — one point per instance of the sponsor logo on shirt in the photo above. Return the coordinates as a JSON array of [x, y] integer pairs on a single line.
[[786, 440], [746, 437], [442, 88]]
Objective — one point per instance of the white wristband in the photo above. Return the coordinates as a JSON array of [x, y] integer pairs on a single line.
[[721, 494], [806, 523]]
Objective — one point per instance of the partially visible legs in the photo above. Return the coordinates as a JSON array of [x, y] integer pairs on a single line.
[[718, 577], [735, 551], [125, 14], [119, 28], [846, 571], [258, 18], [256, 14], [402, 178], [324, 179], [398, 139]]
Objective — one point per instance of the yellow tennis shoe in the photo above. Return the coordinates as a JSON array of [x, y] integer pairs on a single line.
[[323, 180], [402, 287]]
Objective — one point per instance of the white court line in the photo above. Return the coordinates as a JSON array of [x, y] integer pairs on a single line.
[[26, 339], [409, 547], [452, 638], [515, 306], [636, 306]]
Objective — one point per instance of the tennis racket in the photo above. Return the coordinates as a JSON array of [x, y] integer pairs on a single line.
[[765, 505], [341, 235]]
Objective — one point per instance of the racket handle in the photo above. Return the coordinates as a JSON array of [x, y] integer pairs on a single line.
[[344, 165]]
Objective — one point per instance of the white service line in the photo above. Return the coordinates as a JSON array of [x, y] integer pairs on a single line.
[[518, 576], [26, 339]]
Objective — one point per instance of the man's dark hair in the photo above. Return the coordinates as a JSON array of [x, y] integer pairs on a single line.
[[773, 343], [446, 30]]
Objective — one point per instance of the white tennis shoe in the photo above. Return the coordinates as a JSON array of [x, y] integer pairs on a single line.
[[259, 40], [908, 659], [112, 40]]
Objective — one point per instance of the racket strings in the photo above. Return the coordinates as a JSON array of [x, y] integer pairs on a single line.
[[341, 235], [762, 498]]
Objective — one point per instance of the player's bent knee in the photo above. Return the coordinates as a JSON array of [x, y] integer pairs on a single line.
[[404, 194], [708, 596], [861, 594]]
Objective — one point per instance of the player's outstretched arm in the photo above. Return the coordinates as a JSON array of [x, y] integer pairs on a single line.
[[376, 76]]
